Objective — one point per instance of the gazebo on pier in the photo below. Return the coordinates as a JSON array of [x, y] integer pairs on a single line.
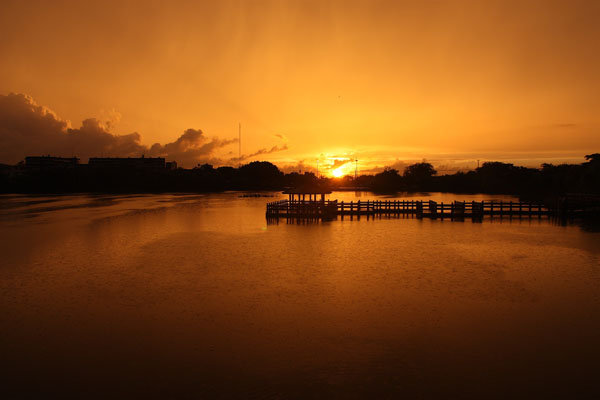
[[298, 195], [304, 203]]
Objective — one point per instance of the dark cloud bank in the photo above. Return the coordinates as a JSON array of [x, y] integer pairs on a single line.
[[27, 128]]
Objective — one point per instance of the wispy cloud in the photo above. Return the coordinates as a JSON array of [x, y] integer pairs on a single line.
[[264, 151], [565, 125]]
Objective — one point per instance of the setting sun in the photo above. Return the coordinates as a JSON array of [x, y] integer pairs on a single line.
[[338, 172]]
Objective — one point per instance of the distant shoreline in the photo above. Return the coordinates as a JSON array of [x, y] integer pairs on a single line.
[[57, 175]]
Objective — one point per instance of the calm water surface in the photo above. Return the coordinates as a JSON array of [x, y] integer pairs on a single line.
[[197, 296]]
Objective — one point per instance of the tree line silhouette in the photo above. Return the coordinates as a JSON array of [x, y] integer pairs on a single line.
[[491, 177], [495, 178]]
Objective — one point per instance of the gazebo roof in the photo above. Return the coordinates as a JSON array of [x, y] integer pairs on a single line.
[[307, 190]]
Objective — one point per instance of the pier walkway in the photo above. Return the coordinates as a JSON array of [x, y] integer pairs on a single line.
[[456, 210]]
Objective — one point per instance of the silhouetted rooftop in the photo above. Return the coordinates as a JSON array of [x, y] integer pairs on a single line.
[[307, 190]]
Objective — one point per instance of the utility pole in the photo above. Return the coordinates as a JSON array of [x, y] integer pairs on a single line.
[[239, 144], [317, 167], [355, 169]]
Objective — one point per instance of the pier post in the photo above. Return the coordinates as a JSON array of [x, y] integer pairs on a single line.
[[433, 209], [476, 211], [520, 209], [419, 209]]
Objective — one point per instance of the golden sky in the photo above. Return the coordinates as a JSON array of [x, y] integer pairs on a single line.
[[382, 81]]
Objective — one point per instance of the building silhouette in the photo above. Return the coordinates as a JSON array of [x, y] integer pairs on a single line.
[[127, 162], [48, 161]]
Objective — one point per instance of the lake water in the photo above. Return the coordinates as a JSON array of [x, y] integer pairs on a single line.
[[196, 296]]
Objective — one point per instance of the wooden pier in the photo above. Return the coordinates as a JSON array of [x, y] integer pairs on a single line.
[[308, 210], [309, 203], [457, 210]]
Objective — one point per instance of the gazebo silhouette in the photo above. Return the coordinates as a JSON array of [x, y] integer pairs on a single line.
[[298, 194]]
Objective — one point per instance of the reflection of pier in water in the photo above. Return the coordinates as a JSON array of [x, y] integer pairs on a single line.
[[316, 207]]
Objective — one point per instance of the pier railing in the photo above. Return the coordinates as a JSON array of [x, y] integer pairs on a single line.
[[302, 209], [417, 208]]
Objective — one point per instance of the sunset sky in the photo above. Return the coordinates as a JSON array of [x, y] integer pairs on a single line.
[[386, 82]]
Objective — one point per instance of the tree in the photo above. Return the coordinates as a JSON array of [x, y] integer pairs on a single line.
[[591, 174], [419, 176], [499, 177], [387, 181], [260, 175], [206, 168]]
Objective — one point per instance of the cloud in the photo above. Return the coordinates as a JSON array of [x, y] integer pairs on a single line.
[[280, 136], [565, 125], [27, 128], [273, 149], [300, 166], [191, 148], [110, 118], [339, 162]]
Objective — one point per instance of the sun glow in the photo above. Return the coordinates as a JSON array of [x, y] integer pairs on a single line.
[[338, 172]]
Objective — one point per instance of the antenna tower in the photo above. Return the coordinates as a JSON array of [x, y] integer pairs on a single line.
[[317, 167]]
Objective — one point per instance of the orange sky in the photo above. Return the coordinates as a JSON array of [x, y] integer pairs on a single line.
[[382, 81]]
